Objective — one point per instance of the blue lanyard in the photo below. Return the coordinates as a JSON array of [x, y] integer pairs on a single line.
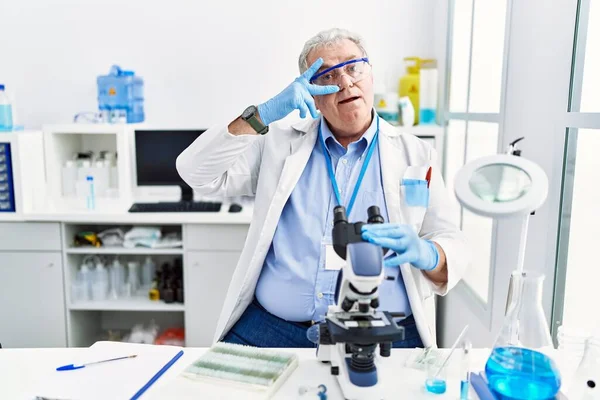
[[361, 175]]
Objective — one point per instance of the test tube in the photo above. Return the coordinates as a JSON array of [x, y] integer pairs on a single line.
[[465, 378]]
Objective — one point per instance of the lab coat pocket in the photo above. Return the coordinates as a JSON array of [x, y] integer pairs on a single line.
[[414, 199], [415, 192]]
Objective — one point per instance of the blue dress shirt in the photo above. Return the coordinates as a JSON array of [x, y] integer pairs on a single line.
[[294, 283]]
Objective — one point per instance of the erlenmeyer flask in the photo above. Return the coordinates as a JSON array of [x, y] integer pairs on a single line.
[[517, 367]]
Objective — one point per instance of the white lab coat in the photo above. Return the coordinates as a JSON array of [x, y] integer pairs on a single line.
[[268, 168]]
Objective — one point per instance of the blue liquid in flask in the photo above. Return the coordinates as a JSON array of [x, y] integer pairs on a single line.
[[523, 374]]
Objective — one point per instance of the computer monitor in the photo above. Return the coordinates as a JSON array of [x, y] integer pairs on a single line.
[[155, 155]]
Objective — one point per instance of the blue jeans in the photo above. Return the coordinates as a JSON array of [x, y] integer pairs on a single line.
[[259, 328]]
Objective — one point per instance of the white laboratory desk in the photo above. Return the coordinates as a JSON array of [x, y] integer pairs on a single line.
[[23, 371]]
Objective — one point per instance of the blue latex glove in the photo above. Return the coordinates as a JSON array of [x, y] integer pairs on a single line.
[[403, 240], [297, 96]]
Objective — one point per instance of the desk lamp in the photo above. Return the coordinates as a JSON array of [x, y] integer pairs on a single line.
[[503, 186]]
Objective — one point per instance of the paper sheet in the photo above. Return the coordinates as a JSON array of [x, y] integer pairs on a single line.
[[113, 380]]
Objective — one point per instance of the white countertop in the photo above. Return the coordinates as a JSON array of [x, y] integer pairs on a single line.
[[23, 373], [118, 213]]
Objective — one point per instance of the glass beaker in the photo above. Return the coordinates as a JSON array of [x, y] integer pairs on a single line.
[[517, 367], [586, 382]]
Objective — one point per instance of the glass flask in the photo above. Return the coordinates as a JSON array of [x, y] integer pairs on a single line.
[[586, 382], [518, 367]]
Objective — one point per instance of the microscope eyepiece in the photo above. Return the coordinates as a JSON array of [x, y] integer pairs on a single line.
[[339, 215], [374, 215]]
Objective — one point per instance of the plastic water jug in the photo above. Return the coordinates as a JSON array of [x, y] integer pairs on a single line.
[[121, 96]]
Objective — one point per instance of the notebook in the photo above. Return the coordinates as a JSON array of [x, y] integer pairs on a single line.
[[113, 380]]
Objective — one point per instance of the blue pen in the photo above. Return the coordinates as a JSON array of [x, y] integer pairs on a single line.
[[157, 376], [71, 367]]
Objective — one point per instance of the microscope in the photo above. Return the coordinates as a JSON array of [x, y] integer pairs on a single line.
[[354, 328]]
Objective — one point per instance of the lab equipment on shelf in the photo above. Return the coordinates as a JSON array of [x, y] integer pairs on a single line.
[[6, 113], [136, 237], [133, 278], [117, 279], [428, 95], [407, 111], [409, 86], [100, 283], [90, 200], [102, 169], [148, 271], [121, 96], [386, 104], [98, 279]]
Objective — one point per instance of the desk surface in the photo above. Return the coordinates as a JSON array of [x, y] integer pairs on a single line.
[[21, 369], [118, 213]]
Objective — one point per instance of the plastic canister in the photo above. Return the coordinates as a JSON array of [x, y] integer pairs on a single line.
[[386, 105], [409, 85], [121, 95]]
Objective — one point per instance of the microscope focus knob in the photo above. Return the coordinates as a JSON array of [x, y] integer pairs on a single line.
[[375, 302], [347, 304], [385, 349]]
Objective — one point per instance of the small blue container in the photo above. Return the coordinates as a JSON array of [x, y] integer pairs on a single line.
[[121, 92]]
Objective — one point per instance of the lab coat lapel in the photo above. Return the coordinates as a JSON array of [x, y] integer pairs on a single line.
[[392, 169], [300, 151]]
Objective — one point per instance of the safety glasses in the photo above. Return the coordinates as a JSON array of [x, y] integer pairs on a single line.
[[356, 70]]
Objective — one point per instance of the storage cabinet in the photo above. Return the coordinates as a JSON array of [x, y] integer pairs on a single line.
[[32, 311], [209, 274]]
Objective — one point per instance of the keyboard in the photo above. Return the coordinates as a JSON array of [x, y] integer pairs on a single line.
[[183, 206]]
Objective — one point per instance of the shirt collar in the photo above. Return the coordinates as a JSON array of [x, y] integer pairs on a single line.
[[368, 136]]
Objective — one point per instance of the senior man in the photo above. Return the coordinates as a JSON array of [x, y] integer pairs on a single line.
[[286, 276]]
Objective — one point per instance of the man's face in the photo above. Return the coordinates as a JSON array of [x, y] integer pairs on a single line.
[[348, 110]]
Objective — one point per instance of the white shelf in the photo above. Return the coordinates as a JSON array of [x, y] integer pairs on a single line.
[[422, 130], [122, 250], [131, 304]]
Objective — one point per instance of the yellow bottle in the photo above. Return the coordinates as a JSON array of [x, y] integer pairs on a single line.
[[410, 83]]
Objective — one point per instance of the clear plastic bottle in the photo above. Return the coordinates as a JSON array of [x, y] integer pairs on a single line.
[[133, 278], [518, 367], [69, 178], [117, 279], [100, 282], [90, 200], [84, 278], [101, 173], [6, 115], [148, 270]]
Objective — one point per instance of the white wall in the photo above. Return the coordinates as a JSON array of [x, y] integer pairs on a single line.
[[203, 62]]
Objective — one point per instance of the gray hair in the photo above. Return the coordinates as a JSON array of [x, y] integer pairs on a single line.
[[325, 38]]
